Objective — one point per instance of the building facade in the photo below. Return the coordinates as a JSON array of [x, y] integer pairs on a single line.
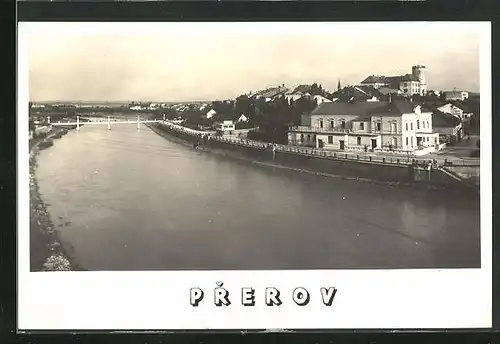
[[374, 126], [225, 127], [408, 84], [456, 95]]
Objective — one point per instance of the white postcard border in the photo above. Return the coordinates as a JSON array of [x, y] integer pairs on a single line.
[[452, 298]]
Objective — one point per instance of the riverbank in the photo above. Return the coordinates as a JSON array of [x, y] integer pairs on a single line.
[[46, 251], [380, 172]]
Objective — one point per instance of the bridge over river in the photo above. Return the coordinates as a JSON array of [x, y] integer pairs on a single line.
[[127, 199]]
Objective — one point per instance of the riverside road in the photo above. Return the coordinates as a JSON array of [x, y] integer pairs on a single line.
[[125, 199]]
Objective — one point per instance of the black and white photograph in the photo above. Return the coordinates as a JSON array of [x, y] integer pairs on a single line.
[[263, 146]]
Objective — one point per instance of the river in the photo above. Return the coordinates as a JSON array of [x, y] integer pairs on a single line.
[[131, 200]]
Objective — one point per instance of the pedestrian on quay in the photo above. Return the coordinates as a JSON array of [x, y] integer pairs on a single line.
[[274, 151]]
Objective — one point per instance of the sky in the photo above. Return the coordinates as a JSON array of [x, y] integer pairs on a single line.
[[210, 61]]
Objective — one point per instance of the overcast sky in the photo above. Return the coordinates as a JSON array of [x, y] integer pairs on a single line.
[[181, 62]]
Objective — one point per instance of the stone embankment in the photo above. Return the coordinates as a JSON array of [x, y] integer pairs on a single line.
[[386, 171], [46, 251]]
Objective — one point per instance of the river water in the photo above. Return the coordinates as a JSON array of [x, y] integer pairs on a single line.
[[131, 200]]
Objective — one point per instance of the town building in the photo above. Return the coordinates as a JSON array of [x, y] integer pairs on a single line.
[[456, 95], [243, 118], [458, 110], [225, 127], [210, 113], [408, 84], [448, 126], [293, 97], [271, 93], [394, 125], [320, 99]]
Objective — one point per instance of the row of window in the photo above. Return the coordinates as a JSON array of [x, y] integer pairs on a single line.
[[378, 125], [358, 140], [425, 124], [332, 124]]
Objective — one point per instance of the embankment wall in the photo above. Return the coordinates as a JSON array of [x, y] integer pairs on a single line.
[[337, 167]]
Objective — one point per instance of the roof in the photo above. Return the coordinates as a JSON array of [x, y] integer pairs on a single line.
[[441, 119], [467, 108], [350, 91], [371, 91], [372, 79], [271, 92], [364, 110], [302, 89]]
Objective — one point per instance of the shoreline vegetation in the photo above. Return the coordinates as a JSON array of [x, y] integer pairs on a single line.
[[46, 250]]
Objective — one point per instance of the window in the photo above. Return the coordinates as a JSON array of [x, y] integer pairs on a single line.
[[332, 124], [330, 139], [418, 124], [321, 123], [342, 124], [394, 127], [411, 125], [301, 138], [379, 126], [361, 126], [407, 141], [406, 126], [411, 141], [358, 141]]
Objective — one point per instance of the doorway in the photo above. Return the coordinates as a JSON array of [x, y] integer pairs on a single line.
[[374, 143], [342, 144]]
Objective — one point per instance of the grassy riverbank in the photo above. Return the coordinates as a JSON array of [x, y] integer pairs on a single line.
[[46, 251]]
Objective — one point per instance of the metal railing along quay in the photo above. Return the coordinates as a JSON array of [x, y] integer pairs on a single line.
[[329, 154]]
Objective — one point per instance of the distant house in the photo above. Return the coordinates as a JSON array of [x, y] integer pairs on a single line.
[[356, 93], [408, 84], [271, 93], [210, 113], [320, 99], [243, 118], [225, 127], [449, 127], [433, 93], [302, 89], [294, 96], [453, 110], [456, 95]]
